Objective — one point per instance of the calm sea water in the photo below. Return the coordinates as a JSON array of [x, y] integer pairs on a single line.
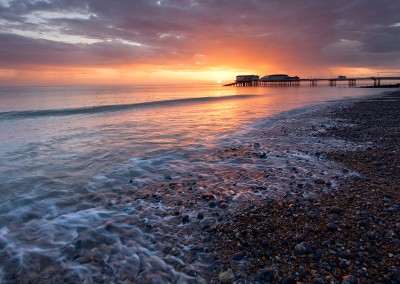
[[69, 154]]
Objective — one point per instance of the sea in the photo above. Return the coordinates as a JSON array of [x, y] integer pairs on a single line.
[[83, 171]]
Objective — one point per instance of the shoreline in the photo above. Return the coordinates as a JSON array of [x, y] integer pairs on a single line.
[[349, 231], [240, 213]]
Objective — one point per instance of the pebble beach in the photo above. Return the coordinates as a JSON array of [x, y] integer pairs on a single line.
[[346, 229], [309, 195], [325, 210]]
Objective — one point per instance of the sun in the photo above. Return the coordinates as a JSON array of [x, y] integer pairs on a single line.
[[219, 81]]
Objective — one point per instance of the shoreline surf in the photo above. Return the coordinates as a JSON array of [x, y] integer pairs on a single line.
[[117, 230]]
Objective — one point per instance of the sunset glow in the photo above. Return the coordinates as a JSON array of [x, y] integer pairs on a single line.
[[171, 41]]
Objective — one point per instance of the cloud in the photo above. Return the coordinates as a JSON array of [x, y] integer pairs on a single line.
[[173, 33]]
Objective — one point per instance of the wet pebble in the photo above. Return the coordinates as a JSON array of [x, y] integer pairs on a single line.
[[265, 243], [223, 205], [308, 228], [207, 238], [335, 217], [263, 155], [388, 197], [289, 280], [238, 256], [337, 210], [266, 275], [207, 196], [226, 277], [363, 224], [349, 279], [185, 219], [313, 214], [332, 227], [319, 253], [318, 281], [344, 264], [303, 248]]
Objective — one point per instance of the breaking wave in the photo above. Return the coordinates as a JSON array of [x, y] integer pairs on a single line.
[[112, 108]]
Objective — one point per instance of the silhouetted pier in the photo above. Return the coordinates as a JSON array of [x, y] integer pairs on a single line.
[[352, 82]]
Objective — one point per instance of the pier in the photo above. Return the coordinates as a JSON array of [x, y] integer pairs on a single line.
[[351, 82]]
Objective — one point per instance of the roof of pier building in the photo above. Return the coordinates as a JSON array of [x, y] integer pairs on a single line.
[[247, 78], [274, 77]]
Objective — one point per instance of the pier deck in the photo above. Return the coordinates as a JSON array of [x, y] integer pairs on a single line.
[[312, 82]]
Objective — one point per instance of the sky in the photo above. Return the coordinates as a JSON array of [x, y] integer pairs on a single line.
[[67, 42]]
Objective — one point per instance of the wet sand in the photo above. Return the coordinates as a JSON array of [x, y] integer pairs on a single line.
[[339, 229]]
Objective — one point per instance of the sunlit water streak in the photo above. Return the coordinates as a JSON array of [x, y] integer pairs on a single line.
[[75, 160]]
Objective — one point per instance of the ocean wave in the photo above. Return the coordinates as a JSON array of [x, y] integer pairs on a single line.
[[111, 108]]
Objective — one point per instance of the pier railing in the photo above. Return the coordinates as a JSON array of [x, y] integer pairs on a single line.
[[352, 82]]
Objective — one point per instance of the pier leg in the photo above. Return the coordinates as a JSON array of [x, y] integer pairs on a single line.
[[352, 82]]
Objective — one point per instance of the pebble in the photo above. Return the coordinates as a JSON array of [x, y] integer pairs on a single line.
[[223, 205], [226, 277], [238, 256], [185, 219], [332, 227], [335, 217], [263, 155], [337, 210], [319, 253], [303, 248], [266, 275], [344, 264], [309, 229], [289, 280], [207, 238], [349, 279], [318, 281], [313, 214], [388, 196], [207, 196], [363, 224]]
